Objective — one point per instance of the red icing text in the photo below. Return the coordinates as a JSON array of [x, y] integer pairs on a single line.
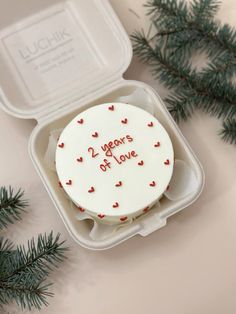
[[107, 148], [92, 151], [123, 158]]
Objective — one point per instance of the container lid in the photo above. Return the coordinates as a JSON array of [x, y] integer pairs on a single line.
[[60, 54]]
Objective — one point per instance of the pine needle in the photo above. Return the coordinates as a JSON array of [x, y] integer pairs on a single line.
[[228, 133], [12, 205]]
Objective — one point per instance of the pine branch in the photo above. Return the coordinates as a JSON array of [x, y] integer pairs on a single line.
[[180, 106], [11, 205], [6, 247], [228, 133], [26, 296], [181, 31], [220, 70], [193, 28], [204, 10], [39, 257], [171, 15], [189, 86], [23, 271]]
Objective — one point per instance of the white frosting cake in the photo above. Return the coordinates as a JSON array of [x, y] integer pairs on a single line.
[[114, 161]]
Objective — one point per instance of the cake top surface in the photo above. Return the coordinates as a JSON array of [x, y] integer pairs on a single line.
[[114, 159]]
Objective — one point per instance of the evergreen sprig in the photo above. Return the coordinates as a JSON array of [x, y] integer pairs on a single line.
[[181, 31], [24, 269], [192, 27], [11, 205], [228, 133]]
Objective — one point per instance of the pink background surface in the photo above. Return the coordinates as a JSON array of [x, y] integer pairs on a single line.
[[186, 267]]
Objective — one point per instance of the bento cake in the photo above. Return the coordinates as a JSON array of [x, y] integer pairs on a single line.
[[114, 161]]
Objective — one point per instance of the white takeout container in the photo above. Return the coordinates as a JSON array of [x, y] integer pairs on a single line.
[[61, 60]]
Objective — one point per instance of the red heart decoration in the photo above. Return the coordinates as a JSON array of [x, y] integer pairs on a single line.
[[81, 121], [69, 182], [157, 144], [153, 183], [61, 145], [115, 205], [91, 190], [95, 134], [80, 159], [150, 124], [101, 216], [60, 185], [141, 163], [124, 121], [146, 209], [123, 218], [167, 162], [119, 184], [81, 209], [111, 108]]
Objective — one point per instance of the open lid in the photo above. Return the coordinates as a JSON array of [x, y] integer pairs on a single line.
[[59, 55]]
